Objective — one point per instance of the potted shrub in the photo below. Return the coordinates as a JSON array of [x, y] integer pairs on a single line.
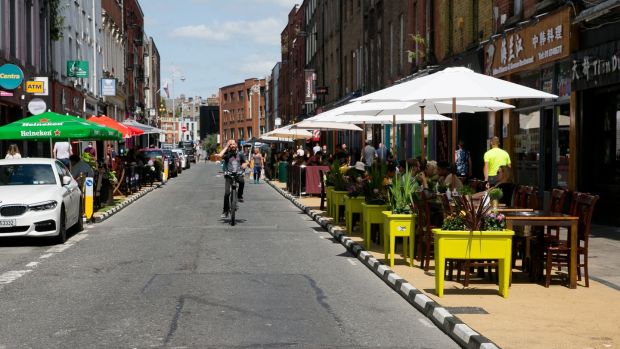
[[473, 233], [399, 219], [340, 190], [375, 196]]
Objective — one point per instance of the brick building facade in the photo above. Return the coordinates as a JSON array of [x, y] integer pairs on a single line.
[[242, 110]]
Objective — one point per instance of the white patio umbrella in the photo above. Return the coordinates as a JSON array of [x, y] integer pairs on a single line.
[[388, 108], [457, 83], [309, 124], [378, 120], [287, 132]]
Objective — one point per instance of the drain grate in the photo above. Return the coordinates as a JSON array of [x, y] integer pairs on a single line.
[[466, 310]]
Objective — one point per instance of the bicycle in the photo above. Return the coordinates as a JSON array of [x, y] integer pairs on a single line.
[[234, 184]]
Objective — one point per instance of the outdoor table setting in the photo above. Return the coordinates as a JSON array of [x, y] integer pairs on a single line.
[[543, 218]]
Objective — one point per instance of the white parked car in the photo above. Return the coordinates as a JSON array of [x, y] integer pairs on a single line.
[[38, 198], [183, 157]]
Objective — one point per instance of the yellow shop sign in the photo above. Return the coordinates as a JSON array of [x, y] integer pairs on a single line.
[[35, 86]]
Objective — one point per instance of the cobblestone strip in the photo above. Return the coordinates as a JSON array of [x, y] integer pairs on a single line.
[[460, 332]]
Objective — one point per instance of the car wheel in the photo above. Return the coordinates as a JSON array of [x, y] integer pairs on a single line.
[[79, 225], [61, 238]]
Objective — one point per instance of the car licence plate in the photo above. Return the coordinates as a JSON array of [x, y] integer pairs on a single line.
[[7, 222]]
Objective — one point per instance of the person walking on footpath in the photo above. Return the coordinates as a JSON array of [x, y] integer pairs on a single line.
[[259, 163], [233, 161], [62, 152], [493, 159], [13, 152], [462, 160], [92, 150], [382, 153], [369, 155]]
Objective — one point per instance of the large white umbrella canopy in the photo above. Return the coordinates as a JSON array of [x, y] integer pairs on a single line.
[[431, 107], [379, 120], [457, 83], [146, 128], [287, 132], [309, 124]]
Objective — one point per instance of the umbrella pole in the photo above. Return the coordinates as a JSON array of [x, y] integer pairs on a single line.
[[423, 147], [51, 149], [453, 145], [394, 136]]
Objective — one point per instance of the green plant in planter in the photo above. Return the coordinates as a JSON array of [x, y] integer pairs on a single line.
[[473, 215], [466, 190], [494, 221], [400, 194], [87, 158], [111, 177], [496, 193], [454, 222], [336, 178], [374, 189]]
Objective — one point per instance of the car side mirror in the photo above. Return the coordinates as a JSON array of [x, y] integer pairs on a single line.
[[66, 180]]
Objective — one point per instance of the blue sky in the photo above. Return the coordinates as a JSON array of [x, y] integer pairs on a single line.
[[214, 43]]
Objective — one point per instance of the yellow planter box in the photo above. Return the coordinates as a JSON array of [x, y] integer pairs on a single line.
[[398, 225], [371, 214], [473, 245], [337, 201], [351, 206], [328, 197]]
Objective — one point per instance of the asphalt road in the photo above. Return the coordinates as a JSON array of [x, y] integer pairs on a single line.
[[168, 272]]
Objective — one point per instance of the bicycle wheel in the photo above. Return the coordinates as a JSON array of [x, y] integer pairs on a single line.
[[233, 205]]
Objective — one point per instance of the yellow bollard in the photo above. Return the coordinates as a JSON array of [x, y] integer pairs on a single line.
[[88, 197], [165, 177]]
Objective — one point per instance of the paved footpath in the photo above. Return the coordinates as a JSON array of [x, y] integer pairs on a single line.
[[532, 317]]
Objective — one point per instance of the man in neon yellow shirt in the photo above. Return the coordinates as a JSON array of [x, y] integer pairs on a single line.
[[493, 159]]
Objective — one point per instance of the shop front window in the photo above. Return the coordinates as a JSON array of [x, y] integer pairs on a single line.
[[527, 148], [562, 150]]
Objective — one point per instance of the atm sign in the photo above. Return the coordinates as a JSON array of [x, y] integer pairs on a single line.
[[35, 86]]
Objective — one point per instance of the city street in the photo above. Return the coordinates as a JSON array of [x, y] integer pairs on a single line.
[[168, 272]]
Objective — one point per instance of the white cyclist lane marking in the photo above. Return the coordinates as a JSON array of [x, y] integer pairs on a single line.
[[426, 323], [352, 261], [12, 275]]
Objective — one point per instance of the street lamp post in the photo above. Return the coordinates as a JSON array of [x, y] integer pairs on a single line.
[[174, 112]]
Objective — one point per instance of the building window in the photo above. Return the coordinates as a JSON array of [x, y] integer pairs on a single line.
[[12, 29], [401, 45], [249, 132], [391, 49]]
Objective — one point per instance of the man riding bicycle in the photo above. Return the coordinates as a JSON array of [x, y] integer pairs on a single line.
[[234, 161]]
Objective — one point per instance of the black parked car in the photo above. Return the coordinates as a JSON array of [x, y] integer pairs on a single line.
[[174, 163], [190, 150]]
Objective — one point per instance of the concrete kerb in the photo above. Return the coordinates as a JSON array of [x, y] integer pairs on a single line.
[[107, 214], [460, 332]]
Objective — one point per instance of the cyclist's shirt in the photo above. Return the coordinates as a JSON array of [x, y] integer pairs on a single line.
[[233, 161]]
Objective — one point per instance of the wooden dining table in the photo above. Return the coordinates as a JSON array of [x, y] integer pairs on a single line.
[[545, 218]]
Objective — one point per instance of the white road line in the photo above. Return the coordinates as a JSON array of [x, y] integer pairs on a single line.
[[352, 261], [32, 264], [79, 237], [47, 255], [12, 275], [59, 248]]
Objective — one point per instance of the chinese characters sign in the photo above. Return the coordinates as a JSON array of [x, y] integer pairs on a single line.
[[538, 43], [596, 67]]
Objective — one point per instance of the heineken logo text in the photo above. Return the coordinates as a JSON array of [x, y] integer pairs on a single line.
[[35, 133]]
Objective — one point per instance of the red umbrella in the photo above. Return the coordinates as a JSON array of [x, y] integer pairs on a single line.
[[127, 131]]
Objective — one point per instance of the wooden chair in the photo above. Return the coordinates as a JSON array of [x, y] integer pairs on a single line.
[[556, 205], [425, 237], [557, 252], [322, 207]]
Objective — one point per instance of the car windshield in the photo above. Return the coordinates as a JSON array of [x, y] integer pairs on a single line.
[[167, 152], [152, 154], [27, 174]]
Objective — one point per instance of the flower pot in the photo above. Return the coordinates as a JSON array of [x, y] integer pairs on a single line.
[[352, 205], [336, 202], [450, 244], [371, 214], [398, 225]]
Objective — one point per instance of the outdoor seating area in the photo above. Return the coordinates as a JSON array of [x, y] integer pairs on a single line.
[[530, 307]]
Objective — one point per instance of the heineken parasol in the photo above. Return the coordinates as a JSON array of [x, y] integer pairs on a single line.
[[52, 126]]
